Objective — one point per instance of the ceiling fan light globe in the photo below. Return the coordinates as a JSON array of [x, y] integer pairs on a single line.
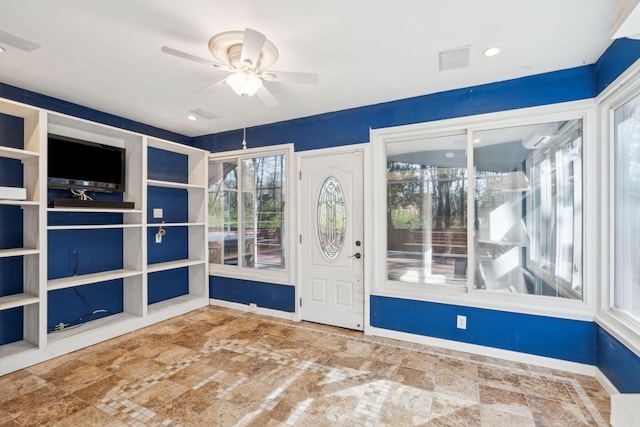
[[244, 84]]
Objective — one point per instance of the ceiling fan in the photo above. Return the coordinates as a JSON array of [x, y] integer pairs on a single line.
[[247, 55]]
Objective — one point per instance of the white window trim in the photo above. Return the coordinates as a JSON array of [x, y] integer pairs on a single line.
[[529, 304], [617, 323], [282, 277]]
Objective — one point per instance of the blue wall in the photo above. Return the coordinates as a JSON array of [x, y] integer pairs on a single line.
[[266, 295], [352, 126], [620, 365], [543, 336]]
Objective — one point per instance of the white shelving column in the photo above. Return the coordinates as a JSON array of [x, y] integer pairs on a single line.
[[196, 261], [32, 300]]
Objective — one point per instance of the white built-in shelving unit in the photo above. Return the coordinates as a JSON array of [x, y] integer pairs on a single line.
[[37, 345]]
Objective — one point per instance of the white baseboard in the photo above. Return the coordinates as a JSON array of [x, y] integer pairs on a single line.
[[258, 310], [547, 362]]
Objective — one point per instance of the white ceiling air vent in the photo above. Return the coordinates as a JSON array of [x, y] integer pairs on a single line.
[[454, 58]]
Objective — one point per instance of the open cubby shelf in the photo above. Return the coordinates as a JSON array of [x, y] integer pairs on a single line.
[[177, 174]]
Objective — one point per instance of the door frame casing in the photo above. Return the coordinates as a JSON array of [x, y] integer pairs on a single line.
[[367, 224]]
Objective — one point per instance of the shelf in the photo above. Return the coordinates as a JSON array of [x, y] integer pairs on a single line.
[[92, 227], [94, 210], [162, 266], [17, 300], [23, 203], [16, 153], [175, 303], [176, 224], [17, 347], [4, 253], [169, 184], [90, 327], [84, 279], [175, 147]]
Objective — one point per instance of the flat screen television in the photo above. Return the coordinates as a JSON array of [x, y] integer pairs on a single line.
[[85, 165]]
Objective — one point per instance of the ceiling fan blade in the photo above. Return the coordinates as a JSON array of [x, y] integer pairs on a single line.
[[252, 47], [210, 87], [188, 56], [267, 97], [18, 42], [288, 77]]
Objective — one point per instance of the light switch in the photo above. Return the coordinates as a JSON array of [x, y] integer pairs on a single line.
[[157, 212]]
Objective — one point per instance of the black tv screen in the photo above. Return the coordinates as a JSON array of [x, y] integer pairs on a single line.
[[85, 165]]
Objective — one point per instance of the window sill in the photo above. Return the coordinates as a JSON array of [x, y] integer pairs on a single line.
[[515, 303], [266, 276]]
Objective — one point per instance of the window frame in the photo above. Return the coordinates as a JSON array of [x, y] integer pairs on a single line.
[[581, 309], [615, 321], [284, 276]]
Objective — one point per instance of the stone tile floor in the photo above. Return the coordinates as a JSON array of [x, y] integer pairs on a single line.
[[221, 367]]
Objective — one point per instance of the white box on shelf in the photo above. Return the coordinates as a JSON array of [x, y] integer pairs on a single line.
[[13, 193]]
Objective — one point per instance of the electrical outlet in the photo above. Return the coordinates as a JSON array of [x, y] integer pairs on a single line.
[[462, 322], [157, 213], [252, 307], [158, 238]]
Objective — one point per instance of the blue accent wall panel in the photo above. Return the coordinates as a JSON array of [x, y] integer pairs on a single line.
[[614, 61], [174, 246], [11, 220], [11, 272], [83, 218], [163, 285], [265, 295], [620, 365], [83, 251], [563, 339], [84, 303], [173, 201], [167, 166], [352, 126], [11, 325], [11, 131], [10, 173]]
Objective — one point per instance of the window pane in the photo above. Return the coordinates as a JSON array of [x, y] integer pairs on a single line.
[[627, 207], [263, 181], [223, 212], [426, 210], [528, 199]]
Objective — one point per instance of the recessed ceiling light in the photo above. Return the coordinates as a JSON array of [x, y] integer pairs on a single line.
[[491, 51], [192, 117]]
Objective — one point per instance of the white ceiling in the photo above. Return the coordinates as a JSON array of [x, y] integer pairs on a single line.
[[105, 54]]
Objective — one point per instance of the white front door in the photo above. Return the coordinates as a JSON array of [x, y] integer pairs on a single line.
[[331, 242]]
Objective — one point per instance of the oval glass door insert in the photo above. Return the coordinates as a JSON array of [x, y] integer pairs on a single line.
[[331, 221]]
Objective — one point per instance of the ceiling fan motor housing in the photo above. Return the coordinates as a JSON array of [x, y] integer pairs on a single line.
[[227, 48]]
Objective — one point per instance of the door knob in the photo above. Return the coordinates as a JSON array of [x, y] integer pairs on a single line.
[[357, 255]]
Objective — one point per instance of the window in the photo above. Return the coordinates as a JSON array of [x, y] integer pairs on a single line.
[[247, 212], [626, 196], [485, 210]]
